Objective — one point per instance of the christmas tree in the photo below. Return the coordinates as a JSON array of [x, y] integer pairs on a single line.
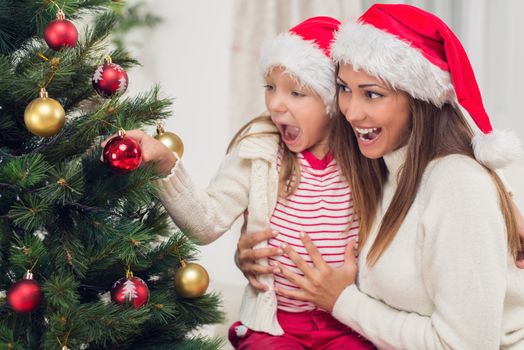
[[88, 256]]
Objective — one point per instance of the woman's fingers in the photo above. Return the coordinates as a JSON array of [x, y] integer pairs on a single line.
[[300, 281], [301, 264], [313, 252], [259, 253], [520, 258], [351, 252], [256, 283], [296, 294], [248, 241], [257, 269]]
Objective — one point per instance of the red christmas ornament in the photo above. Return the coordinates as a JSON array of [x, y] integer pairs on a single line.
[[131, 290], [25, 295], [122, 154], [60, 33], [110, 79]]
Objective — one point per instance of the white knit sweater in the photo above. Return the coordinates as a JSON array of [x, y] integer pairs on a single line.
[[246, 179], [447, 280]]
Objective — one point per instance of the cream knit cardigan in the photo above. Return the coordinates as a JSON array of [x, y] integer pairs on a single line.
[[246, 179], [446, 281]]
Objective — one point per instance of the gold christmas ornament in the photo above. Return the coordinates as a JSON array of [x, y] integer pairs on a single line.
[[44, 116], [191, 280], [170, 140]]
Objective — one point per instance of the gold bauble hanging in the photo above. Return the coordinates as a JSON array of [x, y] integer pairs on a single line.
[[44, 116], [191, 280], [170, 140]]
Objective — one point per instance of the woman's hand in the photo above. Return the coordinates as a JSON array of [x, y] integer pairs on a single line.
[[520, 228], [321, 284], [520, 257], [246, 257], [152, 151]]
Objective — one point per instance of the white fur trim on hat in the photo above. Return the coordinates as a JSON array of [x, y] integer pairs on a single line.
[[305, 61], [392, 60], [496, 149]]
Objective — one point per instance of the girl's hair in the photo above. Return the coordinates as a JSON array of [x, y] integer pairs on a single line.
[[434, 133], [289, 174]]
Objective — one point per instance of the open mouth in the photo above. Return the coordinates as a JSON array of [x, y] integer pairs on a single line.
[[369, 134], [289, 133]]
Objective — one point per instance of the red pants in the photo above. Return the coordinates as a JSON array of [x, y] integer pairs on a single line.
[[302, 330]]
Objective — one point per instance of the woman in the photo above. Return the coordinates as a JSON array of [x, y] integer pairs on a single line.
[[438, 238]]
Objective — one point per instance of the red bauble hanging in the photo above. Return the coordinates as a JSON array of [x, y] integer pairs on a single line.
[[132, 290], [122, 153], [110, 79], [25, 295], [60, 33]]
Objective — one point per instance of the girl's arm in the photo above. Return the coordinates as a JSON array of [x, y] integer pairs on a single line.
[[204, 215]]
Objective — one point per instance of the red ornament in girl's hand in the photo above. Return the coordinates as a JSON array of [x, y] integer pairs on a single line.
[[60, 33], [25, 295], [132, 290], [122, 154]]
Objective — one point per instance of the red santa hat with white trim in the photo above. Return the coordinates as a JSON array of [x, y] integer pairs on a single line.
[[415, 51], [304, 52]]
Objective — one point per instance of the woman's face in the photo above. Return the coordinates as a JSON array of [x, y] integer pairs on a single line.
[[379, 115]]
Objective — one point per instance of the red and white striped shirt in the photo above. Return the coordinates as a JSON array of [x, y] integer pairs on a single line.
[[322, 208]]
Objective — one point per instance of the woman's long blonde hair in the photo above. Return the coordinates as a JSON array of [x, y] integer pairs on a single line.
[[289, 174], [434, 133]]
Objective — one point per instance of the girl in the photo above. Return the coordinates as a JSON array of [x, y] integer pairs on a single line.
[[279, 168], [438, 239]]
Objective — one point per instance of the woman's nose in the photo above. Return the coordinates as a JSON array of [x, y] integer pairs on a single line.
[[354, 112]]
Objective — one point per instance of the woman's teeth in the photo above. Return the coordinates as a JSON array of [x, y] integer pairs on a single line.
[[367, 134]]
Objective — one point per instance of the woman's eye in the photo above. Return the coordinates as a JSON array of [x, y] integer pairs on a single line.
[[297, 93], [268, 87], [373, 95], [342, 88]]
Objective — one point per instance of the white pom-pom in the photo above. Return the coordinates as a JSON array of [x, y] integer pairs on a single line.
[[497, 149], [241, 331]]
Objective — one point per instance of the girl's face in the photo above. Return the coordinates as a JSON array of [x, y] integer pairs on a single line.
[[379, 115], [298, 112]]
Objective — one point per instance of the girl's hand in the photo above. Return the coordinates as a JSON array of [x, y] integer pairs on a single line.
[[246, 257], [321, 284], [152, 151]]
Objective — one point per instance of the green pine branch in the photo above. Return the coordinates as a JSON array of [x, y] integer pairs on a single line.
[[64, 215]]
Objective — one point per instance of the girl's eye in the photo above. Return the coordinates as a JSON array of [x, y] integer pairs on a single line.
[[268, 87], [297, 94], [373, 95], [342, 88]]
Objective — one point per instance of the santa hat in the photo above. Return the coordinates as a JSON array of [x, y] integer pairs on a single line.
[[304, 53], [415, 51]]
